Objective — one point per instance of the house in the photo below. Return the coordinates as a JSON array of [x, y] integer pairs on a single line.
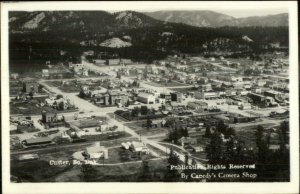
[[197, 105], [99, 61], [138, 147], [205, 87], [256, 90], [270, 102], [176, 96], [96, 151], [146, 98], [125, 145], [224, 118], [274, 147], [274, 45], [81, 71], [110, 98], [261, 83], [166, 96], [187, 141], [152, 69], [206, 95], [204, 80], [197, 148], [243, 92], [257, 98], [48, 117], [113, 61], [14, 75], [278, 96], [59, 103], [118, 97], [125, 61], [30, 86], [45, 73], [76, 66], [103, 127]]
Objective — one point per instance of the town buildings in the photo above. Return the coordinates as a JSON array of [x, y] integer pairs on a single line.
[[146, 98]]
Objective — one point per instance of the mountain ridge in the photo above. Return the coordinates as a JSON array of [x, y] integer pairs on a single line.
[[207, 18], [44, 35]]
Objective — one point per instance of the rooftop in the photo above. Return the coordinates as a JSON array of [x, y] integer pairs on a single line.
[[38, 140], [144, 95]]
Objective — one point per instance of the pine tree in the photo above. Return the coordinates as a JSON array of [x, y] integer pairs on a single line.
[[215, 149], [173, 160], [149, 123], [207, 131]]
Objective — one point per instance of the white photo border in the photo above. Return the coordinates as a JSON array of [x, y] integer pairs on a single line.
[[74, 188]]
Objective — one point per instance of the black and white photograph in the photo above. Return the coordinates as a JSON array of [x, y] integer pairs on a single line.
[[150, 93]]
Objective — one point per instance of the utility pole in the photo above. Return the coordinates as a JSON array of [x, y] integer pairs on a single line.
[[103, 160]]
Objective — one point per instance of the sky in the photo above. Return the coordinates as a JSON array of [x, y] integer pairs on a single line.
[[248, 13]]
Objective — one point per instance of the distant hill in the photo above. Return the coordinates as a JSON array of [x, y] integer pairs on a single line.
[[215, 19], [36, 37]]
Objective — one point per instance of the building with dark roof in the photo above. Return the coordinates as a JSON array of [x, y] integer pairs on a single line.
[[37, 141]]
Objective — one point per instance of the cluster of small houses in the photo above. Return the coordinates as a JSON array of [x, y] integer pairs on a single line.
[[57, 103]]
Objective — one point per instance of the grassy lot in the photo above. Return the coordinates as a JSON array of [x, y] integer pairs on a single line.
[[30, 108], [130, 172], [137, 127], [71, 87], [36, 171], [15, 87]]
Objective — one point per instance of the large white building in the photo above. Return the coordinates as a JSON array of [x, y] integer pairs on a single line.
[[146, 98], [97, 151]]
